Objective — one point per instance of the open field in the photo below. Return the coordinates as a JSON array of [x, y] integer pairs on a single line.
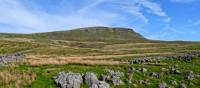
[[99, 44], [45, 73], [45, 58]]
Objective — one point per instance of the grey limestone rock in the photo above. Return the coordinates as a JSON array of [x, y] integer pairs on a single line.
[[182, 85], [190, 75], [116, 77], [68, 80], [173, 82], [162, 85], [90, 79], [11, 58]]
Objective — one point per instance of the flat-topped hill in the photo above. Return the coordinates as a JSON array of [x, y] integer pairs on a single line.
[[105, 34]]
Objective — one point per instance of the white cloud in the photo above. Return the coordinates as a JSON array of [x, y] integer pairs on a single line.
[[154, 7], [16, 16], [92, 5]]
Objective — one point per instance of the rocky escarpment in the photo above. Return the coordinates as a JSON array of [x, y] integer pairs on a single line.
[[11, 58]]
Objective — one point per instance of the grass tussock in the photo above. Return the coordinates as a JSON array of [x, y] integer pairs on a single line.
[[10, 78], [37, 61]]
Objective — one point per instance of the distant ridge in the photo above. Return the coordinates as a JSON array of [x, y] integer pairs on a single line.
[[105, 34], [92, 34]]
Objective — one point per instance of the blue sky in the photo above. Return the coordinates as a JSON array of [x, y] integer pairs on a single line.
[[154, 19]]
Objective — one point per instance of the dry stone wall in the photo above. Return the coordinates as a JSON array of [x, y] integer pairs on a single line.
[[11, 58], [157, 59]]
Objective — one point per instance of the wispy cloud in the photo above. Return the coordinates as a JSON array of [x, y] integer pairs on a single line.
[[16, 16], [154, 7]]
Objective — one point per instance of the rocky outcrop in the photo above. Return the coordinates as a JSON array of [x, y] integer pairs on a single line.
[[190, 75], [174, 70], [68, 80], [102, 84], [115, 77], [11, 58], [74, 80], [162, 85], [91, 80], [155, 75]]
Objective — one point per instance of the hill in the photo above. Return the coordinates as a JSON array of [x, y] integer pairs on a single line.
[[104, 34], [97, 49]]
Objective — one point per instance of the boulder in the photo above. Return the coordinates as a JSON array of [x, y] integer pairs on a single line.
[[143, 70], [162, 85], [68, 80], [104, 77], [155, 75], [174, 70], [91, 79], [116, 77], [102, 84], [190, 75], [182, 85], [173, 82], [144, 82]]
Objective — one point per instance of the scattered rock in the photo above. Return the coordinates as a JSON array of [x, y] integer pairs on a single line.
[[74, 80], [90, 79], [173, 82], [190, 75], [157, 59], [174, 70], [182, 85], [68, 80], [143, 70], [116, 77], [103, 77], [162, 85], [156, 75], [11, 58], [102, 84], [144, 82]]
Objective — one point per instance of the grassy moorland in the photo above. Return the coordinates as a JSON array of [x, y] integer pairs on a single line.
[[46, 56]]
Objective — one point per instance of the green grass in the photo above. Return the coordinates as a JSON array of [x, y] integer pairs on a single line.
[[46, 73], [9, 47], [64, 48]]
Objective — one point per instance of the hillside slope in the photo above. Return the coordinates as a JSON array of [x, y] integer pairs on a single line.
[[104, 34]]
